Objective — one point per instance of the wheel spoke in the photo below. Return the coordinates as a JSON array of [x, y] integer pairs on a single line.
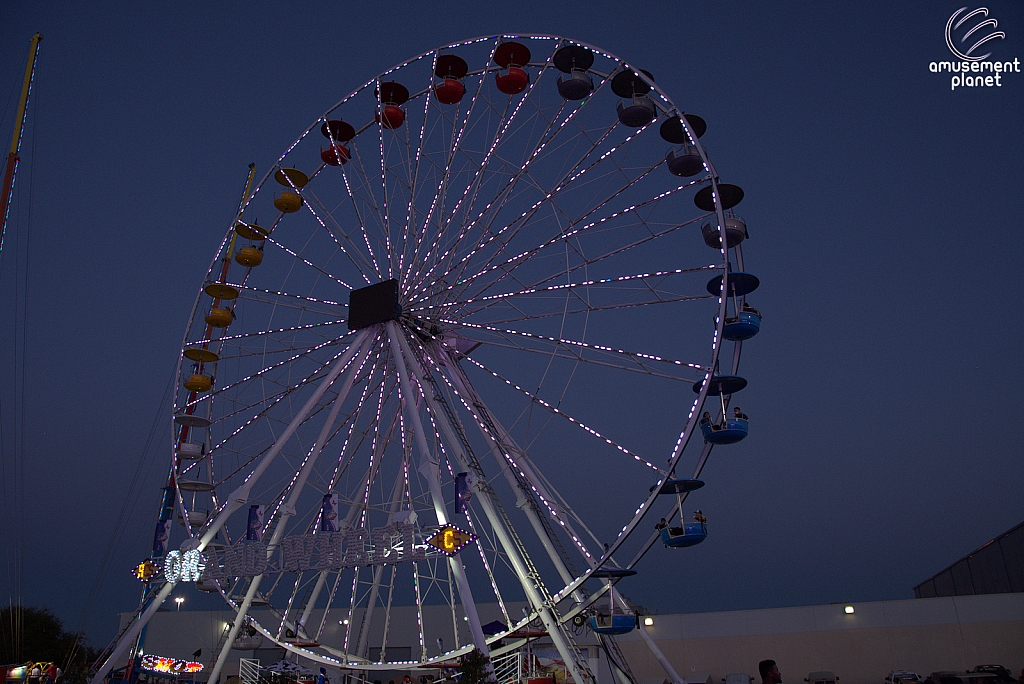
[[641, 362], [540, 402]]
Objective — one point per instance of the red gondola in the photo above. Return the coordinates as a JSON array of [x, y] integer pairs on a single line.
[[512, 57], [451, 70], [392, 96], [336, 131]]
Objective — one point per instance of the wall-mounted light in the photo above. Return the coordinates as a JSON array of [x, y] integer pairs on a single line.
[[848, 610], [648, 621]]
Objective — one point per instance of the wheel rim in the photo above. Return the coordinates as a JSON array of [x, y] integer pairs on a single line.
[[543, 253]]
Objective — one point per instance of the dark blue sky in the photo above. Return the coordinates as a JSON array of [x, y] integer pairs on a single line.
[[884, 209]]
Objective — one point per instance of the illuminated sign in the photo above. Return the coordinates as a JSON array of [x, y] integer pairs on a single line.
[[400, 542], [155, 663], [449, 539], [184, 566], [146, 570]]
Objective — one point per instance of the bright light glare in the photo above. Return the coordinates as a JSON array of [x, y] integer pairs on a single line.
[[648, 621], [849, 610]]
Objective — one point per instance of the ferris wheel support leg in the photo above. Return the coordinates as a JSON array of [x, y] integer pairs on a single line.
[[128, 638], [531, 514], [317, 588], [551, 624], [569, 655], [362, 347], [656, 652], [430, 470], [236, 626], [619, 674], [455, 371], [527, 506]]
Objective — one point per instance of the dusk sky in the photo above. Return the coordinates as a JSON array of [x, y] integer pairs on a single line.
[[884, 210]]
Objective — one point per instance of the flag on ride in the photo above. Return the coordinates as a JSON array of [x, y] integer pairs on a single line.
[[329, 513], [254, 530]]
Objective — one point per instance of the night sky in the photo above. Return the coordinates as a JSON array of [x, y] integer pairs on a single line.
[[885, 215]]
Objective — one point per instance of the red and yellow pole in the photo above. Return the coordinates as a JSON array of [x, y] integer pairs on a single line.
[[19, 131]]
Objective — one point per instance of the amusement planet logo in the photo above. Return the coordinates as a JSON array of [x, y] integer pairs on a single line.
[[966, 34]]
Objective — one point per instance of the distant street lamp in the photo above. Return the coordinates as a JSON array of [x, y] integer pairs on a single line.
[[179, 600]]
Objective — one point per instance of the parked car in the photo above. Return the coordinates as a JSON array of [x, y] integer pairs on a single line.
[[951, 677], [821, 677], [999, 671], [902, 677], [738, 678]]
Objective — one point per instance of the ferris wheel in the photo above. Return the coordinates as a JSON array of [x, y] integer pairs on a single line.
[[455, 345]]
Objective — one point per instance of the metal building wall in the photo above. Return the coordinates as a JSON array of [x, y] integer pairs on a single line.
[[922, 635], [995, 568]]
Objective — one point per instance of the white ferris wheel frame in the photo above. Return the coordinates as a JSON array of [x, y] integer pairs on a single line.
[[406, 361]]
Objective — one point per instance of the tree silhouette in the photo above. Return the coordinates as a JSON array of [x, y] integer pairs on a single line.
[[37, 635], [475, 667]]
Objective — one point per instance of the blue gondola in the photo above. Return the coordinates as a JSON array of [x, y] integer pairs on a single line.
[[690, 534], [735, 429], [745, 321], [613, 622], [613, 625], [744, 327]]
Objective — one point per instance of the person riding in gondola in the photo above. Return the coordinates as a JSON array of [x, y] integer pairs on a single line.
[[739, 414], [706, 420]]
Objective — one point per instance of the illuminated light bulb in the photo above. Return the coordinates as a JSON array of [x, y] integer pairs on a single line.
[[648, 621], [848, 610]]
